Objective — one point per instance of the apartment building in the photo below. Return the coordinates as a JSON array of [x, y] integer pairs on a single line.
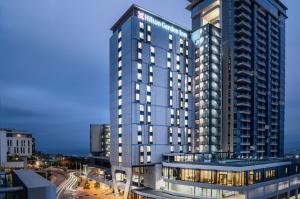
[[209, 98]]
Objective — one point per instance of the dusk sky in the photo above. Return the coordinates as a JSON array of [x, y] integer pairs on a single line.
[[54, 66]]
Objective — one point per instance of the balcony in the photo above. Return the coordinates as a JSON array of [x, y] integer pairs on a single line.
[[244, 104], [261, 107], [244, 96], [261, 115], [248, 128], [262, 93], [242, 7], [274, 143], [245, 143], [243, 55], [246, 112], [261, 63], [244, 40], [244, 80], [244, 72], [244, 47], [243, 15], [243, 32], [275, 56], [244, 88]]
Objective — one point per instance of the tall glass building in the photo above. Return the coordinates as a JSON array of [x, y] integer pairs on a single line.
[[198, 112], [151, 73], [253, 72]]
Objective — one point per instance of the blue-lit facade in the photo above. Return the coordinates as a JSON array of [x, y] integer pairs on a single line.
[[253, 72], [180, 97]]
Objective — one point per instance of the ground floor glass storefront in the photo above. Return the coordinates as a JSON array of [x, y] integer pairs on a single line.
[[206, 176], [203, 192]]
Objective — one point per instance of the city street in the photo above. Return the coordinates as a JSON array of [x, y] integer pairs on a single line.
[[67, 189]]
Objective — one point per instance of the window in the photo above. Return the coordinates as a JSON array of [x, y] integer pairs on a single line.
[[120, 35], [140, 45], [142, 35], [149, 38], [150, 131], [141, 25]]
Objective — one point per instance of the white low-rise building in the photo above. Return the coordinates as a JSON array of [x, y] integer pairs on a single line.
[[15, 145]]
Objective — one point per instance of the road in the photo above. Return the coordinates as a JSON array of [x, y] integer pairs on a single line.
[[66, 189]]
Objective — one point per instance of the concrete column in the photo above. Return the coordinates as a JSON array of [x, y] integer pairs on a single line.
[[115, 185], [128, 182], [128, 172]]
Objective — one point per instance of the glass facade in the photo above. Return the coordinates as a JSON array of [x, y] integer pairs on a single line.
[[227, 178], [233, 178], [204, 192], [207, 89]]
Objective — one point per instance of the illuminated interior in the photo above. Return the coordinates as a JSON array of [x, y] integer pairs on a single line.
[[211, 14]]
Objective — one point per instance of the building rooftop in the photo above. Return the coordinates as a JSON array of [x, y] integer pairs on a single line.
[[14, 131], [205, 159], [195, 2], [32, 180], [135, 7]]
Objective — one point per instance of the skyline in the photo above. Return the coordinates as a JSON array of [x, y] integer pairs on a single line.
[[27, 96]]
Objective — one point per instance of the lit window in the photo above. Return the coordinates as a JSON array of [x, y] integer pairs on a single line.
[[150, 69], [170, 46], [169, 55], [148, 28], [142, 108], [139, 139], [170, 37], [120, 112], [148, 109], [172, 149], [120, 44], [120, 121], [152, 49], [120, 140], [119, 73], [139, 76], [148, 99], [149, 38], [141, 118], [148, 149], [120, 158], [137, 97], [139, 45], [120, 63], [119, 130], [142, 35], [120, 92], [140, 55], [169, 64], [120, 54], [148, 88], [120, 149], [139, 66], [141, 25], [120, 82], [120, 102], [152, 59], [181, 41], [119, 35]]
